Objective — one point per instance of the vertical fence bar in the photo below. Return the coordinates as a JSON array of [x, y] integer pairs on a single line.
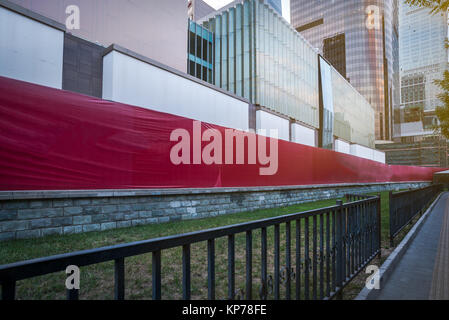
[[369, 234], [264, 263], [363, 234], [350, 259], [8, 290], [119, 279], [314, 257], [356, 235], [355, 216], [186, 272], [347, 247], [156, 274], [249, 265], [340, 253], [321, 256], [374, 240], [211, 269], [298, 260], [328, 255], [379, 225], [276, 262], [334, 250], [231, 267], [72, 294], [287, 260], [391, 205], [306, 259], [359, 238]]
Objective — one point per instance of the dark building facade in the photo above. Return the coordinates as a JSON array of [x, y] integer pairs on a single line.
[[360, 39], [200, 52], [334, 50]]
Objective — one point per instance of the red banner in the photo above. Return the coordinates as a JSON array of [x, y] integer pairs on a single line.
[[57, 140]]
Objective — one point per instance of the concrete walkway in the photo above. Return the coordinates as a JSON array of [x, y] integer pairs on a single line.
[[423, 271]]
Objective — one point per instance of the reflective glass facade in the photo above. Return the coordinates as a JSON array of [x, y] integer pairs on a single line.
[[423, 58], [346, 114], [327, 101], [259, 56], [370, 32], [353, 115]]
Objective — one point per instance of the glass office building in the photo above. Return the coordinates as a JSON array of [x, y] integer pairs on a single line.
[[423, 58], [360, 39], [259, 56]]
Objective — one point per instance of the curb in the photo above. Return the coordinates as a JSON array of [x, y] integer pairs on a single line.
[[389, 265]]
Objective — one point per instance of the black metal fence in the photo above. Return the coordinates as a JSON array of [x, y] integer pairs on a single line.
[[356, 197], [405, 205], [330, 247]]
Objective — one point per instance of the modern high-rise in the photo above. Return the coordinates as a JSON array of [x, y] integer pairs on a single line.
[[423, 58], [360, 39]]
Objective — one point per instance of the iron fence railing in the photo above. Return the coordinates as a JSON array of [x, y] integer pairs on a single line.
[[331, 246], [405, 205], [355, 197]]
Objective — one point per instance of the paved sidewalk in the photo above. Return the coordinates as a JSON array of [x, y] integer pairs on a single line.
[[423, 271]]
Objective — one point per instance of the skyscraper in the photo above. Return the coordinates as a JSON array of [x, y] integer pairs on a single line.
[[423, 58], [360, 39]]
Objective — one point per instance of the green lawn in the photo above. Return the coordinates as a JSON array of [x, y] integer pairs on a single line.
[[97, 280]]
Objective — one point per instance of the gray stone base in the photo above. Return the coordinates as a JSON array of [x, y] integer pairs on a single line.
[[35, 214]]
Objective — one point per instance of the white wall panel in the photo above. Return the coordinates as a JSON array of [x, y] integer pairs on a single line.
[[267, 124], [129, 80], [29, 50], [342, 146], [362, 152], [303, 135], [379, 156]]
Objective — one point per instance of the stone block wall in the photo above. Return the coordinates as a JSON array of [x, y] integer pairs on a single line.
[[41, 213]]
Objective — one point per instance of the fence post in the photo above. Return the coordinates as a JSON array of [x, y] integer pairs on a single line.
[[8, 290], [379, 225], [339, 260], [391, 210]]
